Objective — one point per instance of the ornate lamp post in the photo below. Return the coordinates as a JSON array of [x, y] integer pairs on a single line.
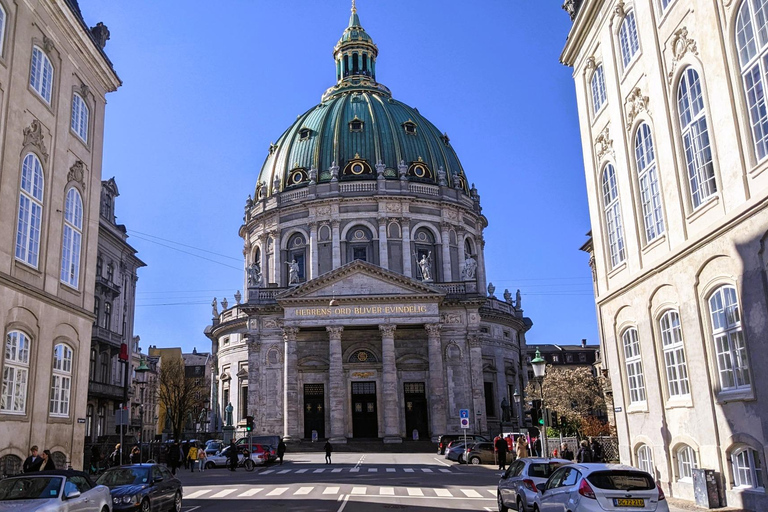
[[141, 370], [539, 370], [516, 396]]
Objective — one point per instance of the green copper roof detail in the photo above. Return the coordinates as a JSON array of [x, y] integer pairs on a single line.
[[354, 20]]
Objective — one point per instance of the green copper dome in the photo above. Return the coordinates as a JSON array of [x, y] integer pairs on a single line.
[[359, 132]]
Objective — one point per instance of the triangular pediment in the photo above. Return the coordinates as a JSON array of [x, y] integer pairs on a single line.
[[361, 279]]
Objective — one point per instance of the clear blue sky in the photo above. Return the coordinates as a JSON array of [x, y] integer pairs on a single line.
[[208, 85]]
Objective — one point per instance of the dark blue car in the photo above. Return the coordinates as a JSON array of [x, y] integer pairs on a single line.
[[142, 487]]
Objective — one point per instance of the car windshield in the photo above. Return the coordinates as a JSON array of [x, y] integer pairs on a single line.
[[124, 476], [622, 480], [542, 469], [27, 488]]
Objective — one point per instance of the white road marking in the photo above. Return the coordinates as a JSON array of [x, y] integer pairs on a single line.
[[190, 509], [331, 490], [301, 471], [391, 470], [267, 471], [442, 462], [415, 492], [354, 470], [336, 471], [358, 490], [319, 470], [283, 471], [408, 470], [373, 470], [303, 490], [492, 492], [277, 491], [343, 503], [250, 492], [390, 491], [444, 493], [471, 493], [426, 470], [443, 470], [197, 494], [223, 493]]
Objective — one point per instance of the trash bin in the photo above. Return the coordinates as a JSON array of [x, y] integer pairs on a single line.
[[706, 490]]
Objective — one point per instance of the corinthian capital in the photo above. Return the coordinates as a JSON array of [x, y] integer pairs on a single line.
[[433, 330], [290, 333], [334, 331], [387, 330]]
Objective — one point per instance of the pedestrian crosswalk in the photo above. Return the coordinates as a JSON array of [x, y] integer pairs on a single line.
[[357, 469], [195, 493]]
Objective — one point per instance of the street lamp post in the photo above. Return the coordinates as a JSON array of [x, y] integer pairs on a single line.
[[141, 370], [516, 396], [539, 371]]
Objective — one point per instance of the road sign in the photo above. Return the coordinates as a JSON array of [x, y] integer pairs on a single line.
[[464, 416], [121, 418]]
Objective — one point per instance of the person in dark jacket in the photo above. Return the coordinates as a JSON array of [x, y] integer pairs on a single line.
[[501, 452], [174, 456], [584, 454], [114, 457], [184, 452], [565, 452], [537, 447], [328, 450], [232, 456], [281, 450], [135, 455], [33, 461], [47, 464], [597, 450]]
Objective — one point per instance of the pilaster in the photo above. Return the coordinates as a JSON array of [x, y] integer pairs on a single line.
[[290, 385], [406, 232], [389, 383], [437, 404], [383, 251], [445, 235], [338, 402], [314, 264], [476, 376], [336, 244]]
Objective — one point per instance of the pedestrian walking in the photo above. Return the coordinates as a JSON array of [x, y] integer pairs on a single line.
[[192, 457], [521, 448], [184, 453], [281, 450], [201, 458], [537, 447], [232, 456], [597, 450], [135, 455], [585, 453], [47, 464], [501, 452], [33, 461], [95, 457], [565, 452], [328, 450], [174, 456], [114, 457]]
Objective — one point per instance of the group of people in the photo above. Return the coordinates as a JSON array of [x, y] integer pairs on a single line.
[[38, 462], [185, 454], [589, 451]]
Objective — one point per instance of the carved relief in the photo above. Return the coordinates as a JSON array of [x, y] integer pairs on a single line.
[[323, 210], [77, 173], [635, 104], [619, 9], [387, 330], [334, 331], [474, 340], [451, 318], [681, 44], [393, 207], [433, 330], [603, 144], [290, 333], [33, 134], [47, 44], [591, 64], [270, 323], [84, 90]]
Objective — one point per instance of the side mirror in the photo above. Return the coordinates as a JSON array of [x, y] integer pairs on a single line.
[[73, 494], [158, 479]]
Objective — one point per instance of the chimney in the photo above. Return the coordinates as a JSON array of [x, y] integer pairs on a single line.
[[584, 343]]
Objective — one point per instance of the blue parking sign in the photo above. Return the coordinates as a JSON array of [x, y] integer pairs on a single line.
[[464, 416]]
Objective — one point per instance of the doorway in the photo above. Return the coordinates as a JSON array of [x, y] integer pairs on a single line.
[[314, 410], [364, 417], [416, 417]]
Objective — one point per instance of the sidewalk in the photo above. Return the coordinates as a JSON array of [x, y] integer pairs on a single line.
[[676, 505]]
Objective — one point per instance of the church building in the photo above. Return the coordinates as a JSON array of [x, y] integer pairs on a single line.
[[367, 313]]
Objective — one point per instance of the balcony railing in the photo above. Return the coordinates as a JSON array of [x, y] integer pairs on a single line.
[[105, 335], [107, 285], [359, 186], [418, 188], [101, 390]]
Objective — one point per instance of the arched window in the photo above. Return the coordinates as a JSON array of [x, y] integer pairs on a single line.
[[628, 40], [424, 242], [674, 354], [359, 244], [634, 365], [747, 470], [645, 459], [61, 380], [15, 372], [10, 465], [297, 251], [80, 114], [41, 74], [686, 463], [613, 216], [693, 125], [728, 338], [30, 211], [645, 157], [753, 49], [2, 28], [598, 89], [72, 239]]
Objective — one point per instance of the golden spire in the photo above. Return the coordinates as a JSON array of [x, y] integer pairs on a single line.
[[354, 6]]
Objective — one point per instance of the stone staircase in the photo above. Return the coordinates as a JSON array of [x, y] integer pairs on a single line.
[[365, 446]]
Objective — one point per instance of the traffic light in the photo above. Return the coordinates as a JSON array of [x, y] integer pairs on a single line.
[[249, 423]]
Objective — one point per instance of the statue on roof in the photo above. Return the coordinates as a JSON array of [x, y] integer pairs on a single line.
[[469, 267]]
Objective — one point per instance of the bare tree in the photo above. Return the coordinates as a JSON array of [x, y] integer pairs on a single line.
[[178, 394]]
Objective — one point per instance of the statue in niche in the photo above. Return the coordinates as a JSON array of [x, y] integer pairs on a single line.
[[215, 311], [425, 264], [254, 275], [505, 411], [228, 414], [293, 272], [468, 269]]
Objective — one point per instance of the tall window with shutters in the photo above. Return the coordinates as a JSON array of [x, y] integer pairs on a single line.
[[41, 74], [61, 380], [30, 211], [612, 210], [72, 238], [728, 338], [634, 366], [674, 354], [650, 196], [15, 373], [752, 45]]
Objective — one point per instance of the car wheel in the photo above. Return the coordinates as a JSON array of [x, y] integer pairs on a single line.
[[461, 459], [105, 509], [520, 507], [210, 465], [145, 505], [177, 502], [502, 507], [475, 460], [249, 465]]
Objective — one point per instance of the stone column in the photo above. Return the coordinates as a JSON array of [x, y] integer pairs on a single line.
[[406, 232], [446, 238], [383, 251], [336, 244], [276, 260], [480, 245], [253, 341], [314, 265], [460, 246], [290, 385], [476, 376], [389, 383], [437, 404], [338, 402]]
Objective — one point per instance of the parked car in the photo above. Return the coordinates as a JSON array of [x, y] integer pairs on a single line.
[[483, 453], [271, 454], [522, 480], [600, 487], [221, 459], [212, 447], [444, 440], [61, 490], [455, 451], [144, 487]]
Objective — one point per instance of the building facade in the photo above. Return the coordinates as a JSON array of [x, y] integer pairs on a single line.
[[366, 314], [110, 372], [54, 76], [673, 125]]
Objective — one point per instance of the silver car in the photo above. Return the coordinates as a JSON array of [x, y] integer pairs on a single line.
[[523, 480], [455, 451], [53, 491], [221, 459]]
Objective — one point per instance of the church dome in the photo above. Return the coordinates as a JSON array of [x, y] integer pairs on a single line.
[[359, 132]]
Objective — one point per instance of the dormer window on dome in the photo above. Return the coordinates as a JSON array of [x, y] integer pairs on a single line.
[[409, 127], [420, 170], [357, 168], [304, 134], [356, 125], [297, 176]]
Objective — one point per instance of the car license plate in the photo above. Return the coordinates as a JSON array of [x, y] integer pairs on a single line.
[[629, 502]]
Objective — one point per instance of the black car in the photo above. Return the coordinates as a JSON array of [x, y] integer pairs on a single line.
[[146, 487], [444, 440]]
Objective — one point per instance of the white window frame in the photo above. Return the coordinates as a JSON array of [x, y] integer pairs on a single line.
[[3, 19], [647, 175], [30, 210], [612, 209], [665, 4], [634, 366], [80, 116], [15, 373], [41, 74], [674, 354], [629, 42], [645, 459], [697, 144], [72, 239], [597, 84], [747, 468], [686, 463], [728, 340], [61, 381], [752, 50]]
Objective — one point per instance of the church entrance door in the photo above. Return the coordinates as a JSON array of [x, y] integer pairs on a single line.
[[416, 409], [364, 418], [314, 410]]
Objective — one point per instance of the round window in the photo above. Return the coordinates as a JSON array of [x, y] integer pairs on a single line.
[[357, 168]]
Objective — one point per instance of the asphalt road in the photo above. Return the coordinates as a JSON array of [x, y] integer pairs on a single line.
[[353, 483]]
